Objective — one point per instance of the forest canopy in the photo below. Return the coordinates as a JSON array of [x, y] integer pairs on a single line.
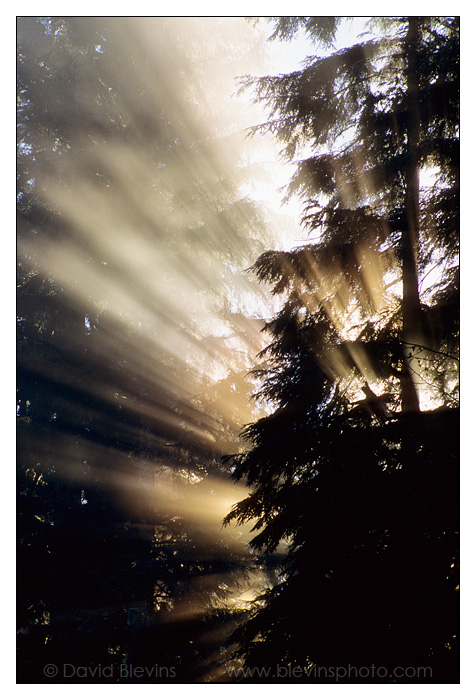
[[355, 466], [189, 357]]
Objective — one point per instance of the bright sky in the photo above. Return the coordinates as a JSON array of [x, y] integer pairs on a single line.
[[285, 57]]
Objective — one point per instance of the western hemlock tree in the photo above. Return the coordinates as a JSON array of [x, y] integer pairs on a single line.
[[347, 468]]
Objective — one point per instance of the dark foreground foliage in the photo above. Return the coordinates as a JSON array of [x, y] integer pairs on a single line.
[[350, 471]]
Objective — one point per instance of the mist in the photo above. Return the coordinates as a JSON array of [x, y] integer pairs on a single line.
[[137, 326]]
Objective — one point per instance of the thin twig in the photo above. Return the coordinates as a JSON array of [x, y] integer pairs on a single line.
[[423, 347]]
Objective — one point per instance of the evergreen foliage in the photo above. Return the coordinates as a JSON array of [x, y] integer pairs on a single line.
[[355, 467], [119, 186]]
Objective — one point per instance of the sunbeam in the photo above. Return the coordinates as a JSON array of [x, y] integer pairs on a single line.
[[184, 337], [138, 322]]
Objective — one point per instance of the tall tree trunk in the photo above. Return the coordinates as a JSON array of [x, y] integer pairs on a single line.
[[411, 308]]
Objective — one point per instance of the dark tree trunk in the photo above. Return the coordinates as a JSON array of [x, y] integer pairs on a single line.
[[411, 308]]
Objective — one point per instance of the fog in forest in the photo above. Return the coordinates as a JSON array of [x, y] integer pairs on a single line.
[[139, 197], [143, 202]]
